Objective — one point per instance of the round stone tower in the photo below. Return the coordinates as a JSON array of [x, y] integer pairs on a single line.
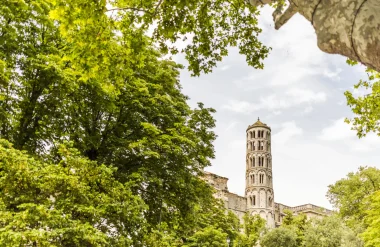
[[259, 184]]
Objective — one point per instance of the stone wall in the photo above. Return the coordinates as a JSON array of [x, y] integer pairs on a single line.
[[310, 210], [238, 204]]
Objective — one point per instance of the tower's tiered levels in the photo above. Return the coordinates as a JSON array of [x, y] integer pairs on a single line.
[[259, 183]]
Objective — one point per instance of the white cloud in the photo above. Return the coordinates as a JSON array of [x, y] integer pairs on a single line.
[[342, 132], [293, 58], [288, 131], [338, 130], [308, 109], [238, 106], [333, 75], [278, 101], [231, 126], [224, 67]]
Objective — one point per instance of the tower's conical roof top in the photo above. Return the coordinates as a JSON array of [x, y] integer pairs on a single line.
[[258, 124]]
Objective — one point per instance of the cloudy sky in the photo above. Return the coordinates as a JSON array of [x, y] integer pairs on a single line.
[[299, 95]]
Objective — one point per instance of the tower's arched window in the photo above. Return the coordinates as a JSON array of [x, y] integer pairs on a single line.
[[251, 134], [270, 201], [253, 145], [261, 178], [252, 179], [261, 161], [254, 134], [253, 200], [253, 162]]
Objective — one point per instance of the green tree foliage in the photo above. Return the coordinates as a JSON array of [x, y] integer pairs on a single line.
[[282, 236], [208, 237], [75, 202], [299, 223], [357, 197], [112, 96], [253, 227], [350, 194], [329, 231], [372, 231], [366, 107], [91, 77], [210, 26], [326, 232], [210, 218]]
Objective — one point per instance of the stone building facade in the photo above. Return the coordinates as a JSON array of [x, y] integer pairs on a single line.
[[259, 194]]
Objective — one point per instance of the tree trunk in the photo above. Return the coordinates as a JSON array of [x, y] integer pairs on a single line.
[[347, 27]]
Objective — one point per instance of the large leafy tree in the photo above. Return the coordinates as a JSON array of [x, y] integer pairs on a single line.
[[299, 223], [253, 227], [350, 194], [372, 231], [208, 237], [328, 231], [325, 232], [283, 236], [95, 79], [75, 202], [357, 198]]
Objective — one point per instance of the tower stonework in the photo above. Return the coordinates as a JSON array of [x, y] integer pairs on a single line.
[[259, 182], [259, 195]]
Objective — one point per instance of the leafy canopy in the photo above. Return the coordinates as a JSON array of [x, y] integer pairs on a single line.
[[328, 231], [350, 194], [366, 107], [118, 102], [75, 202], [357, 197], [282, 236], [253, 227], [209, 26]]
